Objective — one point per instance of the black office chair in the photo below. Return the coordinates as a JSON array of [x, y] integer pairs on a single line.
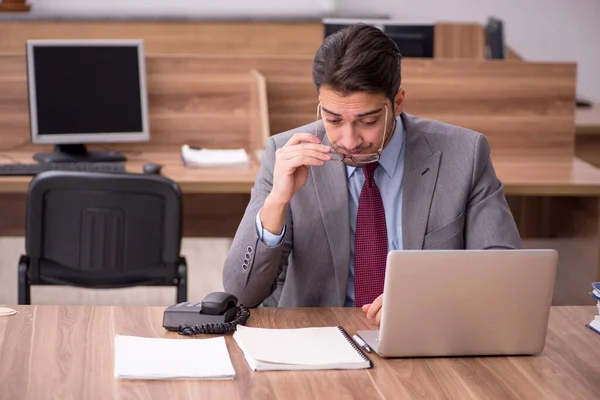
[[102, 230]]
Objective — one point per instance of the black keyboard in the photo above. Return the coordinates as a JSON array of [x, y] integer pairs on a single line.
[[34, 169]]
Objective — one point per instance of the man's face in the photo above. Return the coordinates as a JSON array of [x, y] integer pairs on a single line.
[[355, 123]]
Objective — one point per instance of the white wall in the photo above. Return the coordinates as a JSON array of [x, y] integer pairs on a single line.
[[184, 8], [539, 30]]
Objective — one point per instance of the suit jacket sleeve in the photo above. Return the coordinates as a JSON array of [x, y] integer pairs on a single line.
[[251, 268], [489, 221]]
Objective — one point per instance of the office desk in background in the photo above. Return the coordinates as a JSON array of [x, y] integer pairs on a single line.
[[587, 134], [587, 120], [215, 199], [68, 351], [233, 180]]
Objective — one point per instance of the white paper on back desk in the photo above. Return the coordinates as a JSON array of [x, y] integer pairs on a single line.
[[316, 348], [149, 358], [214, 157]]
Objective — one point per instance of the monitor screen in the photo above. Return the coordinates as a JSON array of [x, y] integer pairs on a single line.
[[87, 91], [494, 39], [414, 39]]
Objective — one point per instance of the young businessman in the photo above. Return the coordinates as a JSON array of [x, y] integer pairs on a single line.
[[333, 197]]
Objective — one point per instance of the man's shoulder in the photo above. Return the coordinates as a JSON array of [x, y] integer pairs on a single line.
[[442, 134], [282, 138]]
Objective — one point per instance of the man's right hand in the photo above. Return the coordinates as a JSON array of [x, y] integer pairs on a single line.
[[290, 174]]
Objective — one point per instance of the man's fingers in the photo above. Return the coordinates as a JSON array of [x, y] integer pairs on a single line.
[[365, 307], [307, 153], [321, 148], [373, 311], [378, 317], [302, 137], [299, 161], [375, 307]]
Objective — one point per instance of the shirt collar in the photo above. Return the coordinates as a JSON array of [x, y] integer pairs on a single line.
[[391, 153]]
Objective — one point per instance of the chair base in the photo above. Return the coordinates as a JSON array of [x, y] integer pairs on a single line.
[[24, 285]]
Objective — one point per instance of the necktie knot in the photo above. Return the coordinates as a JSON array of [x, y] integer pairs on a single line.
[[369, 170]]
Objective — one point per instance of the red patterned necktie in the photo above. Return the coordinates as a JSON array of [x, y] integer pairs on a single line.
[[370, 243]]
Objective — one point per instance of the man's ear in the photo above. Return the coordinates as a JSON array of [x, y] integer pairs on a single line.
[[399, 101]]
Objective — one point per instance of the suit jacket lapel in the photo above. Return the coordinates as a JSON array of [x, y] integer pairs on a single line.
[[331, 186], [421, 167]]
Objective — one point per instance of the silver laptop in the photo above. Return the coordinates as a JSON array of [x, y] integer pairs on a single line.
[[465, 303]]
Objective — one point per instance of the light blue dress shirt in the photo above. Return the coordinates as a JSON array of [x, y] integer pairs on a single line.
[[388, 177]]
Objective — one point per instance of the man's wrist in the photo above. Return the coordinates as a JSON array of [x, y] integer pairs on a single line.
[[272, 215], [276, 201]]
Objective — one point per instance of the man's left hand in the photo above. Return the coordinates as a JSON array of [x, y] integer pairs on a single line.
[[373, 310]]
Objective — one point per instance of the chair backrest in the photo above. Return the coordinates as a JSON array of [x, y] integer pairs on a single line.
[[102, 229]]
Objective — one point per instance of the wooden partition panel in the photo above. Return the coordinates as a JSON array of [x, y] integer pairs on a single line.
[[454, 40], [523, 108], [531, 102], [176, 37], [213, 109], [512, 55]]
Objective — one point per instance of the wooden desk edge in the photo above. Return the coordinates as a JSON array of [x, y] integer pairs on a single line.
[[587, 130], [20, 186], [522, 189], [510, 189], [583, 188]]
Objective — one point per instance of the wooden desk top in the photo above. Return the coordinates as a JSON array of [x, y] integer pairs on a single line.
[[190, 180], [587, 120], [520, 175], [67, 352], [548, 176]]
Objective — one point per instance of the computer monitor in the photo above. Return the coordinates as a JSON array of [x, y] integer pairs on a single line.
[[494, 39], [86, 91], [414, 38]]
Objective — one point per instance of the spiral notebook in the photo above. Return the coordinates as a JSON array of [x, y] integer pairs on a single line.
[[300, 349]]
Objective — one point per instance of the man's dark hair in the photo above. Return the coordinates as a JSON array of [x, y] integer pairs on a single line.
[[358, 58]]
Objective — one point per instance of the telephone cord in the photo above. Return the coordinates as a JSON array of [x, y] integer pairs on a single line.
[[240, 319]]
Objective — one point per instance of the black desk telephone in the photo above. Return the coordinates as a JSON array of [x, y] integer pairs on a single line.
[[217, 313]]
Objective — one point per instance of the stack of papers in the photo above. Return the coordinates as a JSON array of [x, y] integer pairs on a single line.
[[213, 157], [299, 349], [595, 293], [146, 358]]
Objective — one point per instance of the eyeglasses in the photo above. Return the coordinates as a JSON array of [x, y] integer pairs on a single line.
[[358, 158]]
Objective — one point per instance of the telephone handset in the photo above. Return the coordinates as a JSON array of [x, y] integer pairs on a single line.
[[217, 313]]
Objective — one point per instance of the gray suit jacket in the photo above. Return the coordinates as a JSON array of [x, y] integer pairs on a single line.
[[452, 199]]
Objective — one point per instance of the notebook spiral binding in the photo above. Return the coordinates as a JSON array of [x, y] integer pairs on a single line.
[[355, 346]]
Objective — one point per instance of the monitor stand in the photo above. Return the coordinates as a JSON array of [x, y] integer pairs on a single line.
[[78, 153]]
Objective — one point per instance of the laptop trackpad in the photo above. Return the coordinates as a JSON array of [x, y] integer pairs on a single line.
[[371, 338]]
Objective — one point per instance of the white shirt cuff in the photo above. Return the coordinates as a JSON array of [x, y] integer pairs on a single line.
[[267, 238]]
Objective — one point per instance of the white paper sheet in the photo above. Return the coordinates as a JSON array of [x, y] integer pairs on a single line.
[[149, 358]]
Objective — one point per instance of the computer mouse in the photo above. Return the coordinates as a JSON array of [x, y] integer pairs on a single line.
[[152, 168]]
